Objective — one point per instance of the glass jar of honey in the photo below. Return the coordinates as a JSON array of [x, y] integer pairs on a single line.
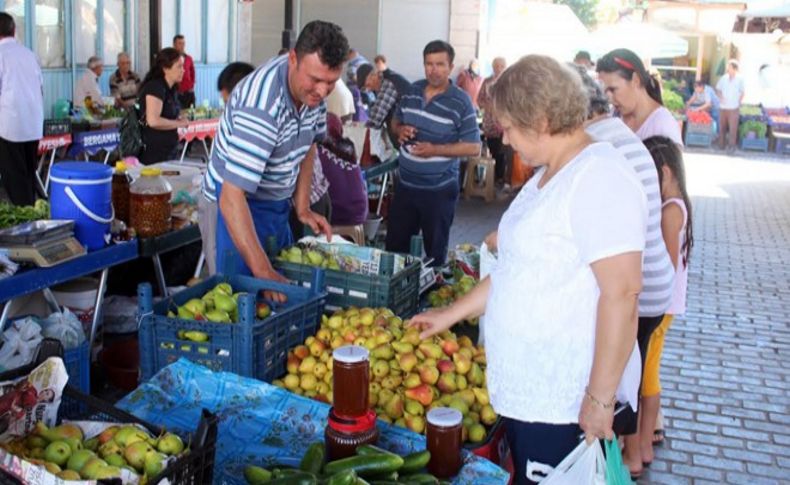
[[444, 439], [350, 381], [342, 435]]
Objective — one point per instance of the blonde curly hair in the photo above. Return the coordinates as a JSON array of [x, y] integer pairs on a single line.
[[538, 93]]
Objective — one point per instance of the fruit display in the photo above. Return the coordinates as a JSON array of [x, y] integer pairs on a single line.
[[219, 305], [780, 123], [759, 129], [409, 376], [447, 294], [699, 117], [751, 111], [64, 451], [318, 257], [370, 465]]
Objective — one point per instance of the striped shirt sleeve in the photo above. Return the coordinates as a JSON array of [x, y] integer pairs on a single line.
[[320, 127], [250, 140], [468, 130]]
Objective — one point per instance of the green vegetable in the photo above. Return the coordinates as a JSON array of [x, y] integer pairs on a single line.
[[672, 100], [366, 465], [313, 459], [758, 127], [11, 215], [346, 477], [386, 477], [421, 478], [284, 472], [256, 475], [415, 461], [298, 478], [368, 450]]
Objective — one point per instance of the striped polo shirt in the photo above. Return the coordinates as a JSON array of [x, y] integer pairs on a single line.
[[448, 118], [262, 137], [657, 271]]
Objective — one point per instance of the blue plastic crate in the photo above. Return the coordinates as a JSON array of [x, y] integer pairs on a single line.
[[755, 144], [698, 139], [250, 347], [782, 146]]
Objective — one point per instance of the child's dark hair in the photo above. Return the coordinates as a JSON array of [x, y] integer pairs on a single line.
[[627, 64], [667, 153]]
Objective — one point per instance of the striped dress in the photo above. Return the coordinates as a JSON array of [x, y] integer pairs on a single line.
[[657, 271], [262, 137]]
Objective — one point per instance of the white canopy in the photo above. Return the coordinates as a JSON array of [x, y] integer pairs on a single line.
[[648, 41]]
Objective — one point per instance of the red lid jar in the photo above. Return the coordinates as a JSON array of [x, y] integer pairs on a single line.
[[444, 438], [343, 435]]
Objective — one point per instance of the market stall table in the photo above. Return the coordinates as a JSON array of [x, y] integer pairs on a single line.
[[383, 171], [30, 280], [92, 142], [154, 247], [263, 424], [47, 148], [197, 130]]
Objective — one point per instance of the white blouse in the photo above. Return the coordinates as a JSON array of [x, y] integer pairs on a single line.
[[542, 307]]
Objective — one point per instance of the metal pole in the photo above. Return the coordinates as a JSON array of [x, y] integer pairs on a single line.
[[154, 29], [288, 27]]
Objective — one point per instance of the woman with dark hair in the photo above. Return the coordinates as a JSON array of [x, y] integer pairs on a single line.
[[636, 94], [158, 99], [340, 168]]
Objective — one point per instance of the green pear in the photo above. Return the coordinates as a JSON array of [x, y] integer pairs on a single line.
[[74, 443], [108, 472], [154, 463], [170, 444], [224, 303], [196, 306], [135, 454], [69, 475], [91, 444], [34, 441], [256, 475], [218, 316], [78, 459], [223, 288], [185, 314], [92, 467], [57, 452], [115, 460]]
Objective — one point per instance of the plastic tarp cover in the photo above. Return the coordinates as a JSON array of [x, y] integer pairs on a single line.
[[262, 424]]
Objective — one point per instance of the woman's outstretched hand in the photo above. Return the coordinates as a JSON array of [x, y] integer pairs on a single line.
[[432, 322]]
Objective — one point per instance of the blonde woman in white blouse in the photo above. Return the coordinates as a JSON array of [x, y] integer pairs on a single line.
[[561, 306]]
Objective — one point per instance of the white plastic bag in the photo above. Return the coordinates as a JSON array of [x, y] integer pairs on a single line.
[[585, 465], [20, 342], [487, 264], [65, 327]]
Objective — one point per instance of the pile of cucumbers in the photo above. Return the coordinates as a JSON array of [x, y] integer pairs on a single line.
[[370, 466]]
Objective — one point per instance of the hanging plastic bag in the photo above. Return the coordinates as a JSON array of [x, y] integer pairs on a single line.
[[65, 327], [20, 343], [616, 471], [585, 465]]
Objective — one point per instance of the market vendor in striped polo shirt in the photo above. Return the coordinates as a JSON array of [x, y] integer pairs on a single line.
[[435, 125], [265, 150]]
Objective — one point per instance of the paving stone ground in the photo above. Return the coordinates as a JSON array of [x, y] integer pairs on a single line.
[[726, 366]]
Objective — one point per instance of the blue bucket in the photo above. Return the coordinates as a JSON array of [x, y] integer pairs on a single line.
[[82, 192]]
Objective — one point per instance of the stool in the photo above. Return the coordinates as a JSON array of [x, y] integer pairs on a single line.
[[355, 233], [487, 190]]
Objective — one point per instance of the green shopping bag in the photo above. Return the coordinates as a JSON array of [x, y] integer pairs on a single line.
[[616, 471]]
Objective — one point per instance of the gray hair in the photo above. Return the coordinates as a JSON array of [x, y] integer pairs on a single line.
[[599, 102], [121, 55], [94, 61]]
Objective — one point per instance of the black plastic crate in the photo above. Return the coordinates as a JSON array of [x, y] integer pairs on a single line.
[[193, 468], [57, 127]]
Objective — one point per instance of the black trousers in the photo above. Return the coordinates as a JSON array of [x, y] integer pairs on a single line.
[[18, 161], [323, 207], [540, 443], [499, 154], [430, 211]]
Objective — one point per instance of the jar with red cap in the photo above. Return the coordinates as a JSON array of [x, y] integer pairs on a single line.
[[350, 381], [444, 438], [343, 435]]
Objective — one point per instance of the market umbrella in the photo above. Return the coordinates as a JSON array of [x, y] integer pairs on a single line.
[[648, 41]]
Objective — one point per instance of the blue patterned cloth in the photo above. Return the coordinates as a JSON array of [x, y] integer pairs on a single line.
[[260, 423]]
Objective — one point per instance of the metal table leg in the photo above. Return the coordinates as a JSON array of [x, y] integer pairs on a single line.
[[160, 275], [384, 183], [40, 182], [205, 148], [200, 263], [54, 306], [49, 170], [184, 151], [97, 311], [4, 315]]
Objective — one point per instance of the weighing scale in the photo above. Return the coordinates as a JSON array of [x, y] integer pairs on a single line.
[[41, 243]]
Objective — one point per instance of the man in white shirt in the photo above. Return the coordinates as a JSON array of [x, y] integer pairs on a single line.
[[88, 85], [730, 91], [21, 114], [341, 102]]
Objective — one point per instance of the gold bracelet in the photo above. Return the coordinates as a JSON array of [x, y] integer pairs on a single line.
[[596, 401]]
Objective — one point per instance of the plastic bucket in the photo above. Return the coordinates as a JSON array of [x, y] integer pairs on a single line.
[[82, 192]]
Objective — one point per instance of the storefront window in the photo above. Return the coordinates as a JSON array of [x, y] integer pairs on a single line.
[[16, 8], [191, 29], [85, 34], [218, 40], [114, 29], [50, 33]]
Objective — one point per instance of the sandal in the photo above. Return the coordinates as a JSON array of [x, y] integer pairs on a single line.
[[658, 437]]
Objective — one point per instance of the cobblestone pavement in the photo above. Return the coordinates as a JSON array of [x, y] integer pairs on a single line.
[[726, 366]]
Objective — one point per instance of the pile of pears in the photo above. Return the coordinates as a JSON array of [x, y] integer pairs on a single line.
[[447, 294], [408, 376], [64, 451], [218, 305], [315, 256]]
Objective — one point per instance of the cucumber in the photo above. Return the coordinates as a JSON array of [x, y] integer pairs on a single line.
[[284, 472], [415, 462], [313, 459], [368, 450], [384, 482], [256, 475], [298, 478], [386, 477], [346, 477], [366, 465], [360, 481], [421, 478]]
